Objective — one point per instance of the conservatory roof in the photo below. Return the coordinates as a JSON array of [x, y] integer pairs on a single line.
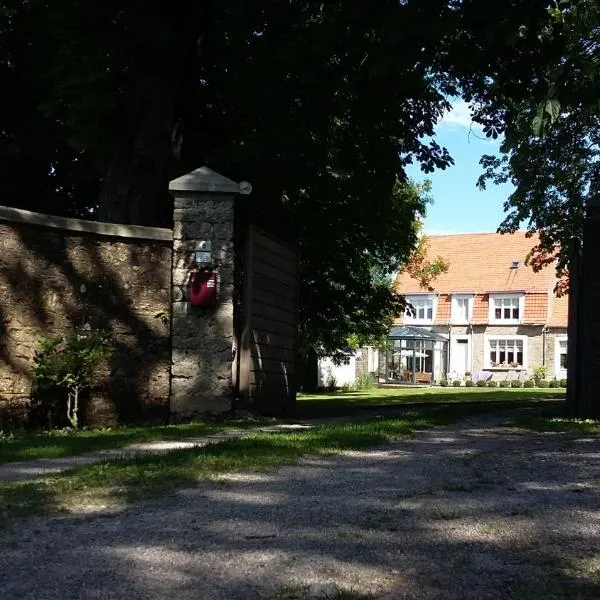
[[407, 332]]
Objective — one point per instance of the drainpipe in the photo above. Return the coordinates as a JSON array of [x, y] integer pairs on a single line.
[[544, 332], [471, 348], [449, 353]]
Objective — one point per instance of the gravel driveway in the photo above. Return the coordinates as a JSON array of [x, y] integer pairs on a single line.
[[473, 510]]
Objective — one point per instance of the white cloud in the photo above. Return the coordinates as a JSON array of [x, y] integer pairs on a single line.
[[460, 116]]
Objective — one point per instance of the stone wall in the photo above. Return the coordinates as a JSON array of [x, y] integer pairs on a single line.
[[57, 274]]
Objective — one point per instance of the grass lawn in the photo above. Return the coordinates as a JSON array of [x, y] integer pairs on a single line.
[[60, 443], [549, 423], [123, 481], [339, 403]]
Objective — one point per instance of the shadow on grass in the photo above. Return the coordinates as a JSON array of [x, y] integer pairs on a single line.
[[513, 527], [356, 403], [62, 443], [125, 481], [556, 422]]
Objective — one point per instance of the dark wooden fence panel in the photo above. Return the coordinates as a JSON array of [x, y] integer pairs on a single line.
[[267, 348]]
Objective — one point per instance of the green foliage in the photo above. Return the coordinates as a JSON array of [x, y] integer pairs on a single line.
[[551, 120], [346, 387], [469, 383], [540, 372], [563, 383], [443, 382], [529, 383], [504, 383], [456, 383], [69, 363], [491, 383], [481, 383], [542, 383], [320, 105], [365, 381], [516, 383], [420, 265], [553, 383], [338, 98], [331, 383]]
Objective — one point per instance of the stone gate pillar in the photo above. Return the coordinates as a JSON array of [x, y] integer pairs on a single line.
[[202, 338]]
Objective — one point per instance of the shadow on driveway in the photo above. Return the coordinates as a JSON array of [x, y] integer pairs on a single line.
[[474, 510]]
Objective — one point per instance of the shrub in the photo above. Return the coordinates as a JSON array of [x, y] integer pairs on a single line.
[[346, 388], [543, 383], [554, 383], [331, 383], [69, 364], [492, 383], [366, 381], [539, 373], [516, 383], [529, 383], [482, 383], [444, 382], [563, 383], [469, 383], [504, 383], [456, 383]]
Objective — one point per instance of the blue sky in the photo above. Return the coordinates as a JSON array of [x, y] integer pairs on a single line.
[[459, 207]]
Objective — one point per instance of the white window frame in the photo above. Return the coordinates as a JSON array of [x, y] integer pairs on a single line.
[[559, 373], [455, 318], [502, 321], [409, 319], [487, 349]]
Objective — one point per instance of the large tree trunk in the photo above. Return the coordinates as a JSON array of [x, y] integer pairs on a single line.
[[135, 188], [586, 403]]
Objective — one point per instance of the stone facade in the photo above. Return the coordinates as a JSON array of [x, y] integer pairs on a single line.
[[540, 344], [59, 274]]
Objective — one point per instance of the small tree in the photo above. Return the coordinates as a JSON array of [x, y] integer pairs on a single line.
[[69, 363]]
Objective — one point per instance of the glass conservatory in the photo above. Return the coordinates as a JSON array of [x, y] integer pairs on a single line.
[[414, 355]]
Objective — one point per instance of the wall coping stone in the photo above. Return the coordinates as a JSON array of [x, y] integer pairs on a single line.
[[17, 215], [207, 180]]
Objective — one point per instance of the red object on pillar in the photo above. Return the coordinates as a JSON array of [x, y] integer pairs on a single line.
[[202, 289]]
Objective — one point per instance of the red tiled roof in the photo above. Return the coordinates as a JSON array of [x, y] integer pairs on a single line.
[[560, 312], [480, 263]]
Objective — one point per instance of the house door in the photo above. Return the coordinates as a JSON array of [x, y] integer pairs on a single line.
[[460, 356]]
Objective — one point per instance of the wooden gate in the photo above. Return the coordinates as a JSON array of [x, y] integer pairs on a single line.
[[269, 324]]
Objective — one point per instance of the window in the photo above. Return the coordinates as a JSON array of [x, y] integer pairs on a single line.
[[462, 308], [507, 351], [506, 309], [560, 357], [422, 310]]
